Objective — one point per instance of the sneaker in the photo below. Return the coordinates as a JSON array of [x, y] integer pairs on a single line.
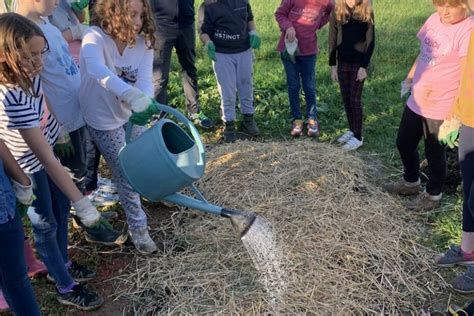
[[81, 298], [229, 132], [81, 273], [352, 144], [402, 187], [345, 137], [202, 120], [142, 241], [424, 202], [106, 185], [250, 125], [466, 310], [102, 233], [464, 283], [313, 128], [454, 256], [297, 128], [3, 303]]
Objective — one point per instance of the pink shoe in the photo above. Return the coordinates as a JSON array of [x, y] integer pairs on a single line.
[[34, 266], [3, 303]]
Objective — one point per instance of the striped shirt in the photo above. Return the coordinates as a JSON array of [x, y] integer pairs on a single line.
[[21, 111]]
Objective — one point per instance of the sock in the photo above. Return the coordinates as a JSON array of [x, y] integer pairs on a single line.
[[412, 184]]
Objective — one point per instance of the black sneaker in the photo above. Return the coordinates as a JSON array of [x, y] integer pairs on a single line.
[[102, 233], [81, 298], [81, 273], [202, 120]]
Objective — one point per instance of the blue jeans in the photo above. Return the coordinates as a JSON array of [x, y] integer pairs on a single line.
[[49, 218], [13, 278], [304, 71]]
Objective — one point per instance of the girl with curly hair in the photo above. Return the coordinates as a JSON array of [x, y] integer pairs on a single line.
[[116, 78]]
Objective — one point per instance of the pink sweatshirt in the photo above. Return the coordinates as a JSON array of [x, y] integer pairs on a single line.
[[306, 16]]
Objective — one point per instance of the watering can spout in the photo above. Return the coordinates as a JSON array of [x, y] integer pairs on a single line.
[[241, 221]]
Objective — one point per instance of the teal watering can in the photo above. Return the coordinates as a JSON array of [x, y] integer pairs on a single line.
[[165, 159]]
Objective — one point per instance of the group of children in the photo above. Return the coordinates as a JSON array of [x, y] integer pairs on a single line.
[[63, 85]]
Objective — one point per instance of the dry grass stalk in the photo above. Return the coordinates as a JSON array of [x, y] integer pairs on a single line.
[[349, 248]]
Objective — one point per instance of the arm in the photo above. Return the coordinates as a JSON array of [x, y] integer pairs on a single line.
[[327, 13], [12, 169], [207, 27], [411, 73], [39, 146], [281, 15], [370, 38], [332, 40], [252, 26]]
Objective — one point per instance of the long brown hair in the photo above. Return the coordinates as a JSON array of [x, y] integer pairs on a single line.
[[16, 31], [362, 11], [113, 17]]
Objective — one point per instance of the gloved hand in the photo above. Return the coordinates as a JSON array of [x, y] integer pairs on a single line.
[[63, 147], [255, 40], [211, 50], [78, 5], [405, 87], [141, 118], [86, 212], [291, 50], [23, 193], [22, 209], [449, 132], [78, 31], [138, 100]]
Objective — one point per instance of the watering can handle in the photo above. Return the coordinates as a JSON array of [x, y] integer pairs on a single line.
[[180, 117]]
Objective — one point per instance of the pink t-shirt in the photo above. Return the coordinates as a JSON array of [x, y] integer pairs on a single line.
[[438, 72]]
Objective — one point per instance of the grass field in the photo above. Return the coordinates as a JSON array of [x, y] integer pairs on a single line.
[[396, 48]]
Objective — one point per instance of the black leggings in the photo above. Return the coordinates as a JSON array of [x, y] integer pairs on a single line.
[[412, 128], [466, 161]]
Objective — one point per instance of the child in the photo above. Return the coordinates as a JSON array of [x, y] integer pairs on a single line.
[[29, 132], [116, 65], [14, 281], [351, 43], [229, 33], [462, 124], [435, 78], [298, 21]]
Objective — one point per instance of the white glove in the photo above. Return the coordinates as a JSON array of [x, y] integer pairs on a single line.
[[86, 212], [78, 31], [23, 193], [137, 99], [405, 87]]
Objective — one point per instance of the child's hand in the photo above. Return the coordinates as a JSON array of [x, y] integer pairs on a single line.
[[86, 212], [142, 118], [290, 34], [24, 193], [334, 75], [137, 100], [405, 87], [77, 31], [211, 50], [449, 132], [361, 74], [64, 147], [78, 5], [255, 40]]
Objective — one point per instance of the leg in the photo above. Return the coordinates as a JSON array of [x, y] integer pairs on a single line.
[[110, 143], [76, 163], [45, 230], [436, 155], [409, 135], [307, 67], [185, 49], [356, 103], [244, 78], [15, 283], [93, 161], [293, 83], [225, 69], [161, 64], [466, 161], [345, 77]]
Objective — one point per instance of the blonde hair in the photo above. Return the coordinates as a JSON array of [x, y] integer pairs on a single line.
[[112, 16], [16, 31], [453, 3], [362, 11]]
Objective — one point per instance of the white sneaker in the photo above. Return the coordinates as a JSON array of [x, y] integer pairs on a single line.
[[142, 241], [345, 137], [352, 144]]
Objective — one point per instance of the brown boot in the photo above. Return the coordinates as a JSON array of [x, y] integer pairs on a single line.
[[424, 202], [402, 187]]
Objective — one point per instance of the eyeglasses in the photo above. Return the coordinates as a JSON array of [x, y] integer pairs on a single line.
[[45, 48]]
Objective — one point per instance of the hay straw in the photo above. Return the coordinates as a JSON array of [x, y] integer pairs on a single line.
[[348, 247]]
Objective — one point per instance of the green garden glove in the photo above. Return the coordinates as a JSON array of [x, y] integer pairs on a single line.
[[449, 132], [211, 50], [78, 5], [255, 40], [142, 118], [22, 208], [63, 147]]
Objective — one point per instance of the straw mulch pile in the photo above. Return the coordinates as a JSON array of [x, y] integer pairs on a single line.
[[348, 248]]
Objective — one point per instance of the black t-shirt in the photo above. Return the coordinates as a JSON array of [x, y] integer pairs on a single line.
[[226, 23], [173, 13]]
